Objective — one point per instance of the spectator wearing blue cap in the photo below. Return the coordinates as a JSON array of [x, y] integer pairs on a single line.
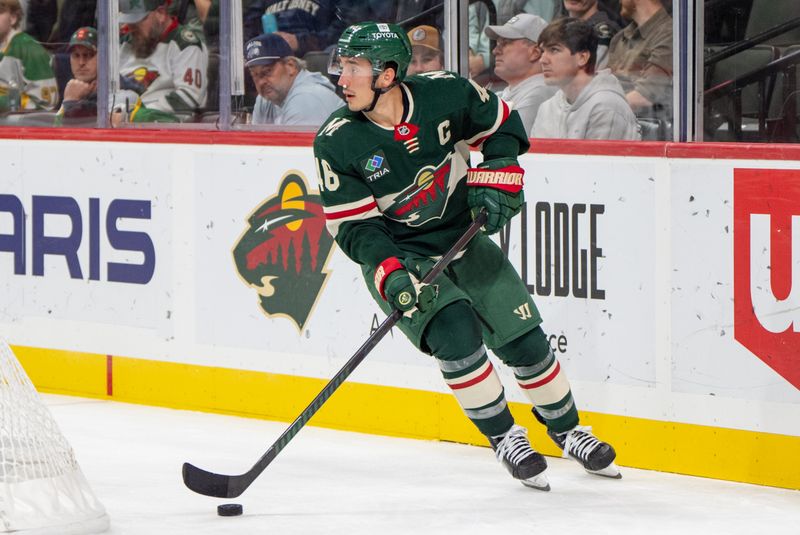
[[288, 94]]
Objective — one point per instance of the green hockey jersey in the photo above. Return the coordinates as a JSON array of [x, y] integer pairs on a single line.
[[26, 75], [402, 191]]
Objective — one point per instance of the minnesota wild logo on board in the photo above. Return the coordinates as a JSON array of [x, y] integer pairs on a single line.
[[283, 253]]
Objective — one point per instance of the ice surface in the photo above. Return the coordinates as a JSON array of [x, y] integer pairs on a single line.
[[333, 482]]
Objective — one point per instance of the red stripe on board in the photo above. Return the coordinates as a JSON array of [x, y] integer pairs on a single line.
[[730, 151], [474, 381], [543, 381], [109, 375], [140, 135], [580, 147], [352, 211]]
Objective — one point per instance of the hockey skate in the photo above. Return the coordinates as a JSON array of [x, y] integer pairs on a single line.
[[596, 456], [523, 462]]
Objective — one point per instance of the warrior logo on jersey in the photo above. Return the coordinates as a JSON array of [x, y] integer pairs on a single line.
[[425, 199], [283, 253]]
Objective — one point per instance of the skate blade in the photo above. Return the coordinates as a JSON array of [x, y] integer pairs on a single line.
[[538, 482], [611, 471]]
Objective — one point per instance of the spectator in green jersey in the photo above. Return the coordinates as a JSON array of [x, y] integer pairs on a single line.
[[27, 81]]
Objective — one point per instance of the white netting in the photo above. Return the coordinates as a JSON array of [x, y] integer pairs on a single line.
[[42, 488]]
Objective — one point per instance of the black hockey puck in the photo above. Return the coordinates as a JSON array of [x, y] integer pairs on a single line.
[[229, 509]]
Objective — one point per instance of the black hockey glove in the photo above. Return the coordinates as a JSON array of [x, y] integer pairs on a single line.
[[496, 185]]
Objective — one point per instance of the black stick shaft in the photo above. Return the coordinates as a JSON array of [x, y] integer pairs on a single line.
[[223, 486]]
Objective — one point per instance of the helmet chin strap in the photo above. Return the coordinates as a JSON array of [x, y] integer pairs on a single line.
[[376, 92]]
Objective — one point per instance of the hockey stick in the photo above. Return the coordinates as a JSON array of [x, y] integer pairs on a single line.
[[225, 486]]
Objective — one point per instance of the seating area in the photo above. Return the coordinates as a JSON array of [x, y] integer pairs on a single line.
[[751, 90]]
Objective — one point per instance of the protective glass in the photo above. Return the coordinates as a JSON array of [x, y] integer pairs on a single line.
[[350, 64]]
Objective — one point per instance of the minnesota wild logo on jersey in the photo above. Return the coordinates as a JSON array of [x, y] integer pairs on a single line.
[[425, 199]]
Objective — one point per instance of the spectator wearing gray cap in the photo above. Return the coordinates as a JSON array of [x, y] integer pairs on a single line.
[[505, 10], [517, 62], [288, 94]]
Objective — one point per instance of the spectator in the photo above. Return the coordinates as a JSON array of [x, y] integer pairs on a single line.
[[641, 56], [27, 81], [306, 25], [604, 27], [517, 62], [587, 105], [73, 14], [41, 16], [426, 50], [80, 93], [161, 62], [288, 94], [505, 10]]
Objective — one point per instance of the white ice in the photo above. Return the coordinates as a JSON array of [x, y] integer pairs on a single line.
[[334, 482]]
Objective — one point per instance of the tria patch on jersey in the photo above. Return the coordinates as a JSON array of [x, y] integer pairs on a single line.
[[375, 167], [425, 199]]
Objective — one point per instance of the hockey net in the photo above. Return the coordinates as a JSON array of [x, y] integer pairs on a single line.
[[42, 488]]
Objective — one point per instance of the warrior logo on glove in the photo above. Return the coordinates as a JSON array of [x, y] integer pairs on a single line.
[[283, 253]]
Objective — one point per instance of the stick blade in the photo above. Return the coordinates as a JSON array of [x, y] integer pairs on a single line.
[[208, 483]]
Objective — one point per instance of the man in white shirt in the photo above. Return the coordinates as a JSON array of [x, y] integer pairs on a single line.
[[517, 62], [288, 94]]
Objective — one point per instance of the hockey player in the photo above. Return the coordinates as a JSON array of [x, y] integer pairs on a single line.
[[398, 191], [161, 62]]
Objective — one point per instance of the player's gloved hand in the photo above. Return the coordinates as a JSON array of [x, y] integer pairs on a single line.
[[398, 288], [496, 185]]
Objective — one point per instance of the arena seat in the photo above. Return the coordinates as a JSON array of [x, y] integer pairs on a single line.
[[767, 14], [720, 113], [786, 101]]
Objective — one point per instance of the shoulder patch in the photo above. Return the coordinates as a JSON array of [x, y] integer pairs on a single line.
[[189, 36], [603, 31], [185, 36]]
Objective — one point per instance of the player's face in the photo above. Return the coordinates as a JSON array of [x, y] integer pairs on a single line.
[[83, 61], [356, 82], [513, 58], [7, 22], [274, 81], [424, 59], [559, 64]]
